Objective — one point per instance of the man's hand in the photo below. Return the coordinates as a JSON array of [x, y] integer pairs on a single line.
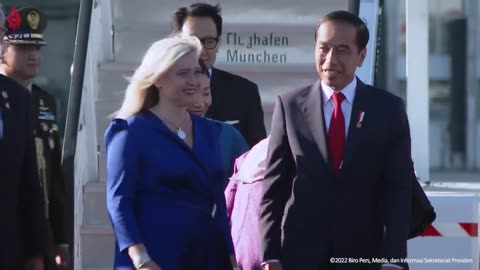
[[273, 266], [151, 265], [35, 263], [63, 258]]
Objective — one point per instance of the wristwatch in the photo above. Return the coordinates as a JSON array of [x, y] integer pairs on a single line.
[[141, 259]]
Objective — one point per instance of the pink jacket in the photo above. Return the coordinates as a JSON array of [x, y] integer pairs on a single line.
[[243, 195]]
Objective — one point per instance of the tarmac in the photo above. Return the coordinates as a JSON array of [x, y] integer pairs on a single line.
[[453, 180]]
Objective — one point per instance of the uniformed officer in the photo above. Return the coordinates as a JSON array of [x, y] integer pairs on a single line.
[[21, 60], [22, 225]]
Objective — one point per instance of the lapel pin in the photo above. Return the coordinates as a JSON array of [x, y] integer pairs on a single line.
[[7, 105], [4, 95], [361, 115]]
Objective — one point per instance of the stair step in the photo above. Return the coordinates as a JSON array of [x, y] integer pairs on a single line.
[[294, 45], [112, 82], [103, 111], [140, 38], [161, 11], [98, 246], [150, 11], [94, 206]]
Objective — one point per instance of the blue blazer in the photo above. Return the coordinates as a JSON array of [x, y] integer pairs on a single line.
[[166, 195], [232, 146]]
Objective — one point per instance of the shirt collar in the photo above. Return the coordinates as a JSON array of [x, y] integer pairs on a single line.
[[29, 85], [348, 91]]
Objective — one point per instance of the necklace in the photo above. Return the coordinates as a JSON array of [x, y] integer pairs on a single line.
[[180, 133]]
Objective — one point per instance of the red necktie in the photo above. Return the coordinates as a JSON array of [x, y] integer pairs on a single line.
[[336, 132]]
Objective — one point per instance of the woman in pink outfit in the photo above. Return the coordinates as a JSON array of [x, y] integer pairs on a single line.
[[243, 195]]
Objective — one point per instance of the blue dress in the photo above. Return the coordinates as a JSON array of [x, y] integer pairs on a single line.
[[166, 195]]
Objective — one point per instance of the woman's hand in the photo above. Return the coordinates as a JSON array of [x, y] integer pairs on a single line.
[[233, 261], [138, 254]]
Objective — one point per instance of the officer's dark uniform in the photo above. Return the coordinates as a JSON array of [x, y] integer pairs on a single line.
[[46, 133], [22, 226]]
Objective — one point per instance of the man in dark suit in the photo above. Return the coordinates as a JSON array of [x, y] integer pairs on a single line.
[[338, 178], [22, 225], [21, 61], [235, 100]]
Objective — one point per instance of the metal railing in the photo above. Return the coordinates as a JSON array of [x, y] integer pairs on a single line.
[[73, 111]]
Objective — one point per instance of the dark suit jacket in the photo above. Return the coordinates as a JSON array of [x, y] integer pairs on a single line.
[[236, 98], [309, 215], [49, 155], [22, 221]]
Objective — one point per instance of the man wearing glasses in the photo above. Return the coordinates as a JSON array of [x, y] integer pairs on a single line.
[[235, 100]]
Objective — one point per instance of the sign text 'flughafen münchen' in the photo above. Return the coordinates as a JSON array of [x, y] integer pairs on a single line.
[[255, 48]]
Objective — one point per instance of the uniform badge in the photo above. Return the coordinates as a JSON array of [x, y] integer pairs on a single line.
[[33, 19], [4, 95], [14, 20], [51, 143], [45, 115]]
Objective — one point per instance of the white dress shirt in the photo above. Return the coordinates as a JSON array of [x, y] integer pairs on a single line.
[[347, 104]]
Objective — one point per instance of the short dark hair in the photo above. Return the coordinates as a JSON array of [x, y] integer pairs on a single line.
[[349, 18], [203, 68], [198, 10]]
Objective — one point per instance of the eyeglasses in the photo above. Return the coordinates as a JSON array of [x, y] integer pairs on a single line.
[[209, 43]]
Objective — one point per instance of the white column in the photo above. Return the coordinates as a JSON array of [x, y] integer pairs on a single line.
[[392, 44], [471, 11], [418, 84], [369, 12]]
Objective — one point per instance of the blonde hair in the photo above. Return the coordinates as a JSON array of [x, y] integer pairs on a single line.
[[141, 93]]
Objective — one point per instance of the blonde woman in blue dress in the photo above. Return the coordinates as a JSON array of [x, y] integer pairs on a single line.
[[164, 172]]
